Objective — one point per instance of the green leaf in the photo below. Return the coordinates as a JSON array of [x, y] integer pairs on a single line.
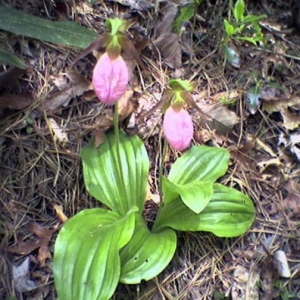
[[62, 33], [253, 19], [239, 10], [230, 213], [230, 29], [147, 254], [6, 57], [252, 40], [186, 13], [253, 99], [118, 186], [86, 256], [200, 163], [232, 56], [195, 195]]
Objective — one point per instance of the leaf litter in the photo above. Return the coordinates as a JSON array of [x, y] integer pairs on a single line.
[[37, 170]]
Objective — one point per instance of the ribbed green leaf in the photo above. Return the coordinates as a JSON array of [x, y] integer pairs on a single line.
[[118, 186], [63, 33], [9, 58], [239, 10], [200, 163], [86, 255], [230, 213], [147, 254], [195, 195]]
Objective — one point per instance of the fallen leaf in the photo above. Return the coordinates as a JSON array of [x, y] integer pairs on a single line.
[[140, 5], [291, 121], [170, 49], [25, 247], [282, 264], [10, 78], [292, 200], [15, 101], [289, 109], [59, 133], [273, 161], [273, 93], [21, 277], [99, 135], [233, 56], [245, 283], [59, 213], [125, 109], [70, 85], [169, 13], [167, 42], [44, 236], [291, 142], [226, 97], [219, 112], [253, 99]]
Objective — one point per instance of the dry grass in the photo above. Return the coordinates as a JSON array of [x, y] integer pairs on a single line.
[[38, 172]]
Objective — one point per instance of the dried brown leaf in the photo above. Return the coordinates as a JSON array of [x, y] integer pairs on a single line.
[[292, 200], [15, 101], [290, 121], [169, 13], [139, 5], [10, 78], [170, 49], [219, 112], [59, 133], [60, 213], [44, 236], [125, 108], [99, 134], [289, 109], [271, 93], [21, 277], [26, 247], [98, 44], [167, 42], [70, 85], [23, 248]]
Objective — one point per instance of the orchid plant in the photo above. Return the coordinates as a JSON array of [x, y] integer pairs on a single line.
[[100, 247]]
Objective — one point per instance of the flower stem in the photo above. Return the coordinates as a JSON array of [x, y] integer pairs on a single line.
[[119, 160]]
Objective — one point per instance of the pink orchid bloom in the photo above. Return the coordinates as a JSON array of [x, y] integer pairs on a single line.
[[178, 128], [110, 78]]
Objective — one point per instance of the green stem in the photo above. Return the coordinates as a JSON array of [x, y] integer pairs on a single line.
[[119, 160], [161, 171], [116, 125]]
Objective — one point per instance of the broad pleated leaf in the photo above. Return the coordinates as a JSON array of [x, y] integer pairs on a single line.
[[86, 255], [200, 163], [195, 195], [62, 33], [119, 185], [230, 213], [147, 254]]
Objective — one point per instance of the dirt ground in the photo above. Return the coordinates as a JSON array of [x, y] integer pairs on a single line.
[[42, 132]]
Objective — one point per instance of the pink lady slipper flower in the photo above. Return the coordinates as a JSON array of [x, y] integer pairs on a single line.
[[178, 128], [110, 78]]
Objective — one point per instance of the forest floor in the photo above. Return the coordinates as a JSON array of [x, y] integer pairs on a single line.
[[48, 112]]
